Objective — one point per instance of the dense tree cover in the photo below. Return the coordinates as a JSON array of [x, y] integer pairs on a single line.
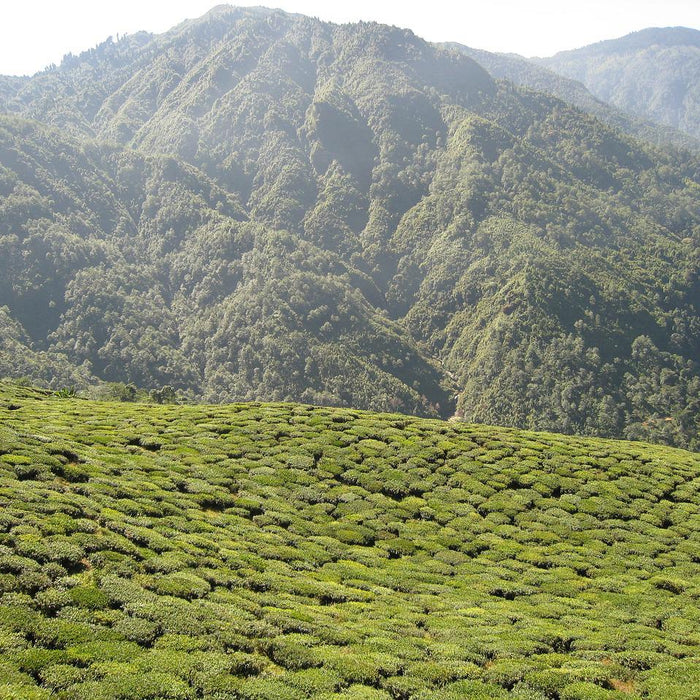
[[347, 215], [142, 270], [280, 551], [536, 317], [653, 73]]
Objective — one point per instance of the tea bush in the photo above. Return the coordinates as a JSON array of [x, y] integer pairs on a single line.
[[284, 551]]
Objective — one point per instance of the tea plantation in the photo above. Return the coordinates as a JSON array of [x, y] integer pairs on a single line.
[[282, 552]]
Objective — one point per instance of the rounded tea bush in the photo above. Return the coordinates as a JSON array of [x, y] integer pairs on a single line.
[[138, 630], [181, 584], [89, 597], [61, 676]]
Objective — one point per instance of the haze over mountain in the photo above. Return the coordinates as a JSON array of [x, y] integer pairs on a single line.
[[653, 74], [530, 73], [261, 205]]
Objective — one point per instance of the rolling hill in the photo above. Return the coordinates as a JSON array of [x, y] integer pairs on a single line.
[[281, 552]]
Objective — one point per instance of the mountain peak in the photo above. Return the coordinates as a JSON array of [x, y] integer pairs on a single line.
[[639, 40]]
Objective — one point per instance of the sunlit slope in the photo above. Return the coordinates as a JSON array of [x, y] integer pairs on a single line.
[[278, 208], [285, 551]]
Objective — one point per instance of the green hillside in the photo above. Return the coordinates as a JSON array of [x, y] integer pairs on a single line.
[[529, 73], [262, 206], [653, 73], [133, 268], [280, 551]]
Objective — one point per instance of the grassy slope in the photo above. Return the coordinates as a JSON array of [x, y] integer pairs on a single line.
[[284, 551]]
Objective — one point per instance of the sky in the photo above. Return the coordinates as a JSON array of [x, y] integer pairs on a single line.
[[36, 33]]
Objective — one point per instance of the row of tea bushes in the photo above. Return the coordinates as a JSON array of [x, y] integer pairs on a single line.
[[273, 551]]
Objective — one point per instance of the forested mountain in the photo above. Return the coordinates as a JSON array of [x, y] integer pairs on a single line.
[[262, 205], [529, 73], [653, 74], [141, 269]]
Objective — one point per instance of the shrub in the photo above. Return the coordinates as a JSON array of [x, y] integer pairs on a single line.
[[97, 651], [474, 690], [268, 689], [32, 581], [440, 673], [351, 667], [55, 633], [51, 600], [314, 681], [291, 654], [64, 552], [550, 681], [138, 630], [35, 659], [89, 597], [583, 690], [12, 691], [10, 674], [399, 547], [508, 672], [403, 687], [61, 676]]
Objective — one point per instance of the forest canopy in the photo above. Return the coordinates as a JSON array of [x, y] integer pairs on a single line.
[[259, 206]]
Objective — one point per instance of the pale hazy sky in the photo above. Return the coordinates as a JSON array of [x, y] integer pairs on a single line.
[[35, 33]]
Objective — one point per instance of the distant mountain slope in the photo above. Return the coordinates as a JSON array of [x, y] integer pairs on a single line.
[[141, 269], [286, 552], [653, 74], [364, 219], [9, 85], [529, 73]]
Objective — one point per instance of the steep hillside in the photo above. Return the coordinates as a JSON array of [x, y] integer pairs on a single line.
[[653, 74], [282, 552], [141, 269], [528, 73], [364, 219]]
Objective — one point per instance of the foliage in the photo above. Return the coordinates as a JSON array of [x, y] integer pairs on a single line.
[[261, 206], [263, 550]]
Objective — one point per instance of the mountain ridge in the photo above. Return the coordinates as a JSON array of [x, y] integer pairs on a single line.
[[392, 227], [532, 74], [663, 36], [653, 73]]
